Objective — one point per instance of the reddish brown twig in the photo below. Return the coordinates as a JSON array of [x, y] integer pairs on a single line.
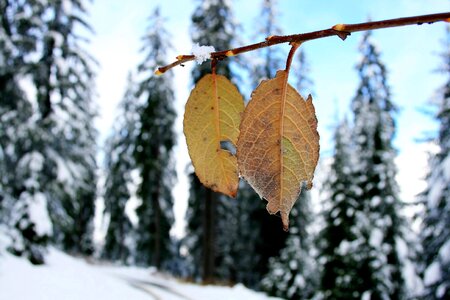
[[340, 30]]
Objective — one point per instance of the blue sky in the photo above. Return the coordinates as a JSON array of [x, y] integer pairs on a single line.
[[410, 53]]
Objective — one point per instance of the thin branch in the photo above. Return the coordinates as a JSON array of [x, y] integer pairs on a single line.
[[340, 30]]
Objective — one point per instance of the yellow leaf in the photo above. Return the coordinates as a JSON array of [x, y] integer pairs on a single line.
[[213, 114], [278, 146]]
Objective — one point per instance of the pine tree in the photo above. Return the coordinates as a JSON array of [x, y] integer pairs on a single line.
[[23, 205], [209, 249], [435, 235], [380, 225], [339, 238], [63, 78], [293, 274], [119, 165], [153, 153]]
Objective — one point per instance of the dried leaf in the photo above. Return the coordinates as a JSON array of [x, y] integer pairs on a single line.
[[278, 146], [213, 114]]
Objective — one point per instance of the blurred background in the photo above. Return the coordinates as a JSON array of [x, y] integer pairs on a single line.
[[94, 163]]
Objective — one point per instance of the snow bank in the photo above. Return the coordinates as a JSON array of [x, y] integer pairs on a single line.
[[62, 278], [65, 277]]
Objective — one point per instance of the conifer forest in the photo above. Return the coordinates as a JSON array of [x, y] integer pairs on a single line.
[[188, 174]]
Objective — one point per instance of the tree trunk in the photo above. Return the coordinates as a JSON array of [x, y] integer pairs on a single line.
[[158, 231], [157, 259], [208, 237]]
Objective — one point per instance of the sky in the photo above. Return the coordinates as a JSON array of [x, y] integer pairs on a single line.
[[410, 53]]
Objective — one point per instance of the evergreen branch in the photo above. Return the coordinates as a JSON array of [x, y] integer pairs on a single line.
[[340, 30]]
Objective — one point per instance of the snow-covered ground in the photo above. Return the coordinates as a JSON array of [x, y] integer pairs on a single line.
[[66, 277]]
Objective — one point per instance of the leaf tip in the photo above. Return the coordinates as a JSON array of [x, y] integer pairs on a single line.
[[230, 191]]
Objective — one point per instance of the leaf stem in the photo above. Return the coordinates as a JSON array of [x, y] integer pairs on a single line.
[[213, 65], [294, 47], [340, 30]]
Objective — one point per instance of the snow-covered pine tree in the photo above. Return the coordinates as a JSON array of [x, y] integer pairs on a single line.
[[23, 205], [209, 249], [435, 234], [153, 152], [119, 165], [14, 107], [293, 274], [378, 220], [63, 78], [338, 240]]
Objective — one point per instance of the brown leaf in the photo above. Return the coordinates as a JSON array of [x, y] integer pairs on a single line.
[[213, 114], [278, 145]]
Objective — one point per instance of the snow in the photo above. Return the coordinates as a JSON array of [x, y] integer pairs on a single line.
[[67, 6], [376, 238], [202, 53], [446, 168], [346, 248], [413, 282], [5, 239], [435, 193], [444, 252], [440, 291], [366, 295], [57, 37], [375, 202], [66, 277], [34, 161], [39, 215], [299, 281], [432, 274]]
